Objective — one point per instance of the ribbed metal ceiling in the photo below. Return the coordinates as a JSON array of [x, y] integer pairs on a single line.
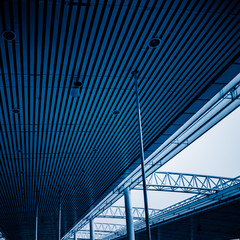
[[76, 145]]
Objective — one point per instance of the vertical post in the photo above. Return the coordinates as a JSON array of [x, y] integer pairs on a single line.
[[36, 230], [59, 216], [142, 156], [91, 222], [75, 236], [129, 218]]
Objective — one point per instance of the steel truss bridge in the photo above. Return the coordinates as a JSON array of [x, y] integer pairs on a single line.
[[188, 183], [188, 206], [208, 190]]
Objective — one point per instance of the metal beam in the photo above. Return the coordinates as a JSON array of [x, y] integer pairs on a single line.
[[103, 227], [100, 230], [86, 235], [187, 183], [138, 213], [145, 197]]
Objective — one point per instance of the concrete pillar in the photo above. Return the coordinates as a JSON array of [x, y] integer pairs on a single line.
[[91, 222], [129, 218]]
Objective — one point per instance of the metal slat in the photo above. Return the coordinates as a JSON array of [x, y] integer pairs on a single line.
[[101, 43]]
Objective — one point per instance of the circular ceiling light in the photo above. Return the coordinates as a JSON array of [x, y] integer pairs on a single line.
[[154, 42], [19, 150], [9, 35], [116, 112], [75, 92], [77, 84], [16, 111], [76, 89]]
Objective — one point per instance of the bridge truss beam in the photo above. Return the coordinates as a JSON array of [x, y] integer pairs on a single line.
[[188, 206], [188, 183], [138, 213]]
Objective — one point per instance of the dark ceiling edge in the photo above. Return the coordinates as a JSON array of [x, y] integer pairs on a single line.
[[228, 73]]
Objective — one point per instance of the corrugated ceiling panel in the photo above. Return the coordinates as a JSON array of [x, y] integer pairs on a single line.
[[77, 145]]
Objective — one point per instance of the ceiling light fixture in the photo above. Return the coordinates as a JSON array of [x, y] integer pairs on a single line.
[[8, 35], [76, 89], [154, 42], [116, 112], [16, 111]]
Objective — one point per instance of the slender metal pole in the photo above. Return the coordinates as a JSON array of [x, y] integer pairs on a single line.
[[60, 217], [129, 218], [36, 231], [142, 156], [92, 237]]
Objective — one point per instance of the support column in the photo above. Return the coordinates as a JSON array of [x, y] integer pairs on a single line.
[[91, 223], [36, 230], [37, 203], [75, 236], [142, 156], [129, 218], [60, 217]]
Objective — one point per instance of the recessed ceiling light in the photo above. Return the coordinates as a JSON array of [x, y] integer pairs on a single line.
[[76, 89], [154, 42], [116, 112], [77, 84], [16, 111], [9, 35]]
